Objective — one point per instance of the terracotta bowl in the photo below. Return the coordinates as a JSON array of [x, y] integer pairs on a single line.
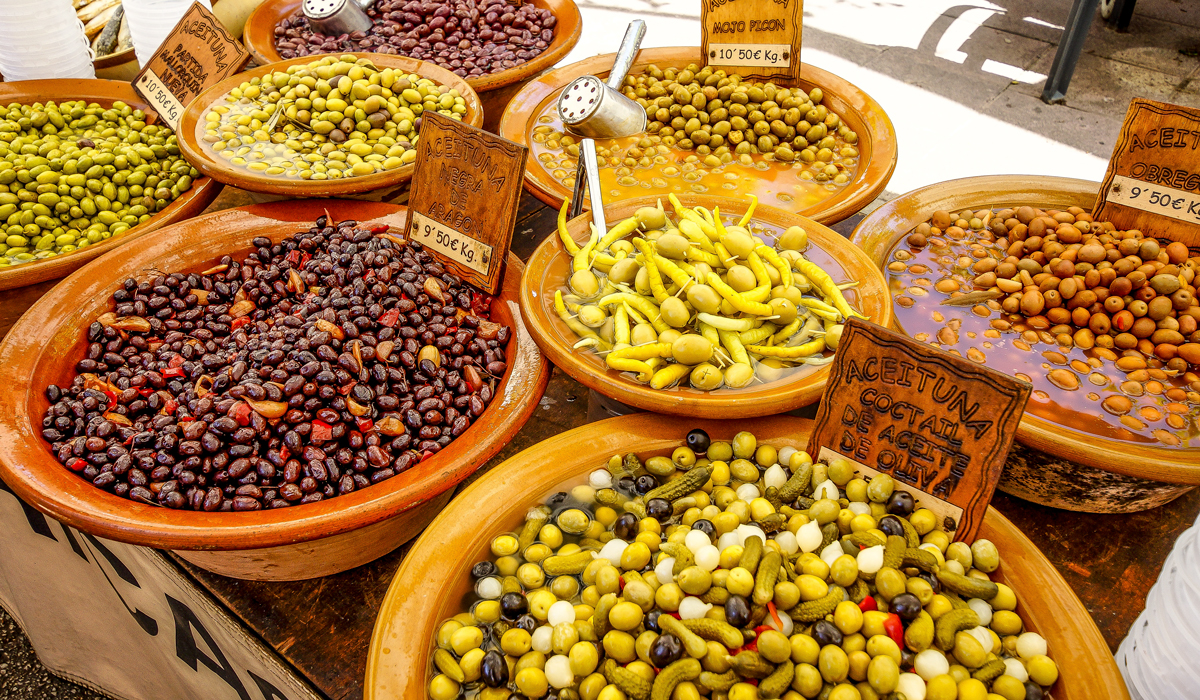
[[384, 185], [20, 286], [549, 268], [494, 90], [1053, 465], [286, 544], [117, 66], [876, 135], [435, 576]]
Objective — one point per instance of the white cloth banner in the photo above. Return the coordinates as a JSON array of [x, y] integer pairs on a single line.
[[125, 620]]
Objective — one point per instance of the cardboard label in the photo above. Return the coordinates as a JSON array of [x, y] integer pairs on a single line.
[[1153, 178], [757, 39], [198, 53], [464, 197], [937, 423]]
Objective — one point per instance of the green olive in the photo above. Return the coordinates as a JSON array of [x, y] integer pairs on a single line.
[[968, 650], [960, 552], [706, 377], [624, 271], [660, 466], [691, 349], [985, 556], [650, 218], [720, 451], [738, 242], [738, 375], [740, 278], [881, 488], [833, 336], [774, 646], [694, 580], [584, 283], [743, 469], [672, 245], [592, 316], [890, 582], [883, 674], [674, 312], [641, 282], [833, 663], [573, 521], [704, 298], [744, 445], [784, 309], [824, 511], [841, 471], [643, 333]]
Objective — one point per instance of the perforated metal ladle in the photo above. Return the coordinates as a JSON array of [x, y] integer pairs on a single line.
[[337, 17]]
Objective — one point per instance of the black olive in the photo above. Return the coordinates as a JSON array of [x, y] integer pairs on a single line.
[[825, 632], [626, 527], [698, 440], [659, 509], [557, 499], [493, 670], [906, 606], [737, 611], [706, 527], [652, 620], [527, 622], [932, 580], [645, 484], [1033, 691], [901, 503], [907, 658], [513, 605], [891, 525], [483, 569], [625, 485], [665, 650]]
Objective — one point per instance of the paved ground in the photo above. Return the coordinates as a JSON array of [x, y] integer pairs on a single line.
[[961, 80]]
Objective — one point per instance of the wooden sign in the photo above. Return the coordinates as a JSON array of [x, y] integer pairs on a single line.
[[463, 201], [757, 39], [198, 52], [1153, 178], [939, 424]]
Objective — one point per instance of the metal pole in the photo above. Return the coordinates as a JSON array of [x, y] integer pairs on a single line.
[[1069, 48]]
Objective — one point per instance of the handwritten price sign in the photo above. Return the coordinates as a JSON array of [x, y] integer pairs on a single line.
[[757, 39], [769, 56], [1156, 199], [462, 249]]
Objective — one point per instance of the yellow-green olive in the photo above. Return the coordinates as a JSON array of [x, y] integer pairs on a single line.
[[706, 377], [795, 238], [673, 246], [691, 349], [740, 278], [784, 308], [624, 271], [650, 217], [704, 298], [738, 242], [674, 312]]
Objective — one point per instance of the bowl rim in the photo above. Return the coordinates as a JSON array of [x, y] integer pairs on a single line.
[[29, 468], [204, 160], [104, 92], [880, 136], [878, 233], [673, 401], [413, 595], [259, 38]]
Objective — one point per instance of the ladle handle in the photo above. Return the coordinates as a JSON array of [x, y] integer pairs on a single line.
[[628, 51], [587, 148]]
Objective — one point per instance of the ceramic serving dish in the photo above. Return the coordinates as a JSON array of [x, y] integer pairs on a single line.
[[382, 185], [549, 267], [1054, 464], [286, 544], [495, 90], [432, 583], [876, 135], [21, 285]]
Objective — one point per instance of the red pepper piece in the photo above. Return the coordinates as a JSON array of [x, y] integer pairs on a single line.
[[321, 431], [172, 372], [868, 604], [390, 317], [186, 419], [170, 406], [425, 455], [77, 464], [284, 453], [380, 228], [774, 615], [293, 257], [240, 413], [894, 628], [365, 425], [112, 400], [145, 392], [239, 322], [175, 361]]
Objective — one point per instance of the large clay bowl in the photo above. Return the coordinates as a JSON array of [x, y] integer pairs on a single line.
[[1054, 465], [286, 544], [876, 135], [549, 268], [495, 91], [382, 185], [435, 576], [21, 285]]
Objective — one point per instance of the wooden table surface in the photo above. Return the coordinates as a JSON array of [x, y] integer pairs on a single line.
[[323, 626]]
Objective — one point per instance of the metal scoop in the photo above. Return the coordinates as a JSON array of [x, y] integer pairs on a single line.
[[595, 109], [337, 17]]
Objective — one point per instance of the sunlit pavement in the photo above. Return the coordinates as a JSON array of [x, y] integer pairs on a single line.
[[962, 81]]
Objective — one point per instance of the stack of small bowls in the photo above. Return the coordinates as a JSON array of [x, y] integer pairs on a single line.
[[150, 21], [1158, 656], [42, 39]]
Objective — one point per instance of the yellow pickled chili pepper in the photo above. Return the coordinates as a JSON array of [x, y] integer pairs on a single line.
[[818, 305], [676, 273], [785, 270], [736, 350], [756, 266], [573, 323], [826, 286], [758, 335], [710, 333], [582, 259], [634, 316], [642, 352], [796, 352], [787, 331], [656, 284], [710, 259], [692, 231], [727, 259], [568, 242], [737, 300], [749, 212], [669, 375], [618, 232], [642, 305], [628, 365], [722, 323], [621, 324]]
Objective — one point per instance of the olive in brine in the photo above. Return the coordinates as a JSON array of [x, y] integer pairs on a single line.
[[737, 611], [513, 605], [901, 503], [698, 440], [665, 650], [493, 670], [659, 509]]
